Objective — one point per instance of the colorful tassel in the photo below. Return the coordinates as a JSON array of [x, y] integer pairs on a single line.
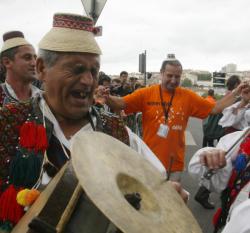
[[24, 171], [240, 163], [28, 135], [10, 210], [33, 137], [41, 140], [27, 197], [21, 197], [245, 146]]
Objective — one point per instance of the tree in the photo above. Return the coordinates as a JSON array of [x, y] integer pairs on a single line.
[[204, 76], [186, 82]]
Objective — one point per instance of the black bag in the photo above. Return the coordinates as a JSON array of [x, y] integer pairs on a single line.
[[211, 129]]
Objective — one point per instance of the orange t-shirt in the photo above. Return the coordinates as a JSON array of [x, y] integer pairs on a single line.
[[210, 99], [185, 104]]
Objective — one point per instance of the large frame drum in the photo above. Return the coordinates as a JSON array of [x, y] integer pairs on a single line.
[[108, 171]]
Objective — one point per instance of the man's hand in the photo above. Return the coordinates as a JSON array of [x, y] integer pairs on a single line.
[[244, 87], [213, 159], [183, 193], [246, 95], [102, 93]]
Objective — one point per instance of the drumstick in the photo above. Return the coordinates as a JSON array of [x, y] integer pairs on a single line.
[[69, 209], [209, 173], [169, 168]]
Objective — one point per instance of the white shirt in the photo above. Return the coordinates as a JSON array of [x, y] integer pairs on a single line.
[[239, 120], [34, 91], [239, 220]]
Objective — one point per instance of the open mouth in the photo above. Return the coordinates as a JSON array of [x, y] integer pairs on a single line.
[[80, 94]]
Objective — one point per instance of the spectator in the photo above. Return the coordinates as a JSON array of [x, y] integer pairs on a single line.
[[166, 109], [104, 80], [124, 88], [18, 58], [232, 83]]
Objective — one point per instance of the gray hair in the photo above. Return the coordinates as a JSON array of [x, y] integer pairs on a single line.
[[49, 57]]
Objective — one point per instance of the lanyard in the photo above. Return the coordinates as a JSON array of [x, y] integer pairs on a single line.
[[166, 111]]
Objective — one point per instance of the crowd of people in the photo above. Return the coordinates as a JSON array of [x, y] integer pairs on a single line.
[[47, 98]]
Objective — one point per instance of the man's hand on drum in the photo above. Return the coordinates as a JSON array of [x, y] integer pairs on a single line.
[[213, 159]]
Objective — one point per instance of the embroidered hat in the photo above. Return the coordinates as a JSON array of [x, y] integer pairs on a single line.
[[71, 33], [13, 39]]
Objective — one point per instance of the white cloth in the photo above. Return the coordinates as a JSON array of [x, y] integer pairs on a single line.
[[239, 220], [219, 180], [240, 120], [34, 91], [58, 133], [141, 147]]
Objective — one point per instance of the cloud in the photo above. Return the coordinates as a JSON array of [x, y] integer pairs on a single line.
[[203, 34]]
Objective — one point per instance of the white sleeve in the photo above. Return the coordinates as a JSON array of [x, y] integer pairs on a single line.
[[239, 220], [140, 146], [220, 179], [230, 119]]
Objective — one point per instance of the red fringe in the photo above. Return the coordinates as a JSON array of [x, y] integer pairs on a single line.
[[41, 140], [216, 216], [232, 179], [28, 135], [10, 210], [245, 146], [33, 136]]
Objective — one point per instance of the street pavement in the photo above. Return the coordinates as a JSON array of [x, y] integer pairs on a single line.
[[194, 137]]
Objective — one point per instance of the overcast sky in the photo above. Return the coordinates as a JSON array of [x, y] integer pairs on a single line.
[[204, 34]]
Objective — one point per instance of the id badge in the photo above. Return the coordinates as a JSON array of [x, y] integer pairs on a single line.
[[163, 131]]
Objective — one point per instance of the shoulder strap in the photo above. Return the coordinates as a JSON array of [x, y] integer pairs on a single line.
[[112, 125]]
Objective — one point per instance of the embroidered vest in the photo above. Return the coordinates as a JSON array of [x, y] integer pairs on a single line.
[[5, 96], [20, 167]]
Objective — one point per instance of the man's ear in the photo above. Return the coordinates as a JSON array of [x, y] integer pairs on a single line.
[[40, 69], [6, 62]]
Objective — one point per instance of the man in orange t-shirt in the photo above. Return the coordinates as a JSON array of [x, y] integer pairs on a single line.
[[166, 109], [210, 96]]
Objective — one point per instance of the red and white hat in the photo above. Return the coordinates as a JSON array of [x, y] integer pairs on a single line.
[[71, 33]]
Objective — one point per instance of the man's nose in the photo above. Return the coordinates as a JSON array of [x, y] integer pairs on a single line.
[[173, 80], [33, 61], [86, 78]]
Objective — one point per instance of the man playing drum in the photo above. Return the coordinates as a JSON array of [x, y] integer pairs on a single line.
[[35, 137]]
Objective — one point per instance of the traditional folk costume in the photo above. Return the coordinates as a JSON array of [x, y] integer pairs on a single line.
[[12, 40], [24, 140], [232, 181], [32, 145], [8, 95]]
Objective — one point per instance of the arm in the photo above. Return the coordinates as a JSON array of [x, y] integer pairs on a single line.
[[230, 98], [214, 158], [234, 115], [115, 102]]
